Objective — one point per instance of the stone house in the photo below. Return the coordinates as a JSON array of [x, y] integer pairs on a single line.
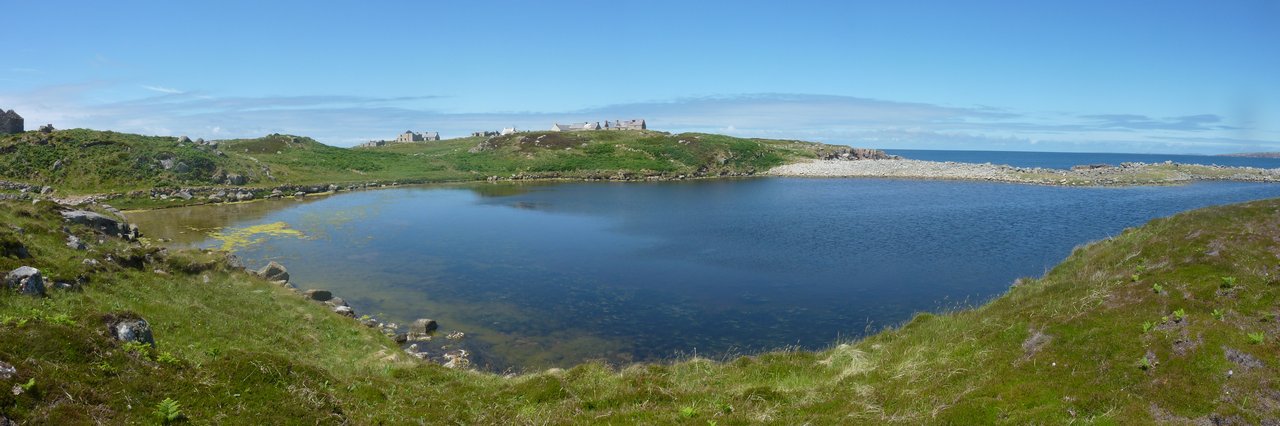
[[557, 127], [10, 122], [625, 125], [411, 136]]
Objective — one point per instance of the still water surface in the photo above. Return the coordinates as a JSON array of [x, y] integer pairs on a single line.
[[552, 274]]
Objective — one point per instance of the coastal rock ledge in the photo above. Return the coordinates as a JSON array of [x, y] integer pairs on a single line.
[[1166, 173]]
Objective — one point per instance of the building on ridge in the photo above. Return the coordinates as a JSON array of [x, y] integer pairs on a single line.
[[10, 122]]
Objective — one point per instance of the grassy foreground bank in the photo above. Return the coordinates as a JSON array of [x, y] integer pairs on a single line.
[[1174, 320]]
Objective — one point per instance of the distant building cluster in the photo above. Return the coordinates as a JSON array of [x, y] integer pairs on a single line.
[[10, 122], [608, 125], [407, 136], [412, 136], [505, 131]]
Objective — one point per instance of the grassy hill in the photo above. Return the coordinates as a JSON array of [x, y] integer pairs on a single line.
[[83, 161], [1174, 321]]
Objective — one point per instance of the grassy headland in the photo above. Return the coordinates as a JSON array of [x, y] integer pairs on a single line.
[[80, 161], [1173, 321]]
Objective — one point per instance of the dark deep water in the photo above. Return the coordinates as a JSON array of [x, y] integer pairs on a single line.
[[1064, 160], [552, 274]]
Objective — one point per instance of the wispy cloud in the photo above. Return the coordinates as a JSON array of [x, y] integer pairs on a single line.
[[347, 120], [162, 89], [1201, 122]]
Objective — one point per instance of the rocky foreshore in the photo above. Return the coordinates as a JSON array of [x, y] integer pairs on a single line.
[[1085, 175]]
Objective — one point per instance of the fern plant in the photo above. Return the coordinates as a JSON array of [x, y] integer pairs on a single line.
[[168, 411]]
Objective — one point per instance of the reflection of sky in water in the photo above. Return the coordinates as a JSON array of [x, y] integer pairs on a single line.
[[554, 274]]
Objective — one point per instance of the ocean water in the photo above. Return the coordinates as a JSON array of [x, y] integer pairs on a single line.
[[542, 275], [1064, 160]]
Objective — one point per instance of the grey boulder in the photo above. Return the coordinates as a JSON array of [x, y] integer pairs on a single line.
[[103, 223], [25, 280], [131, 329], [423, 326], [318, 295], [274, 272]]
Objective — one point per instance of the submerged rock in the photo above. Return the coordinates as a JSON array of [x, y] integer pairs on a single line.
[[25, 280], [422, 327]]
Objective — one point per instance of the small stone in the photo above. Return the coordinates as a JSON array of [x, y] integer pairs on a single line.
[[345, 311], [7, 371], [75, 243]]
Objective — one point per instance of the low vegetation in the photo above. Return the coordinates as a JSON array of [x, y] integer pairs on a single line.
[[83, 161], [1088, 342]]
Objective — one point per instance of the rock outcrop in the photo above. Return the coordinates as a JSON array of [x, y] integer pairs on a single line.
[[25, 280], [854, 154], [102, 223]]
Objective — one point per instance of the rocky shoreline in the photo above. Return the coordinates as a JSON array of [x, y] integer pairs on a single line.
[[1125, 174], [420, 339]]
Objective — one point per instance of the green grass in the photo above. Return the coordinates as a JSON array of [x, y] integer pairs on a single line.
[[105, 162], [1058, 349]]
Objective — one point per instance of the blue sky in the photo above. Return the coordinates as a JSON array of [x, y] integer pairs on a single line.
[[1106, 76]]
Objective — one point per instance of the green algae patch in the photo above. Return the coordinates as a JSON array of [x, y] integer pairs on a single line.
[[239, 238]]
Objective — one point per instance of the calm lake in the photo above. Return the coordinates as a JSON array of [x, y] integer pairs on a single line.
[[542, 275]]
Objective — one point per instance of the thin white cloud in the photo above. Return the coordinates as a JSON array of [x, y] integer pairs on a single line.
[[346, 120], [163, 89]]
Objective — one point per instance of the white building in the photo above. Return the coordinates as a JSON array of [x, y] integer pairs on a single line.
[[557, 127]]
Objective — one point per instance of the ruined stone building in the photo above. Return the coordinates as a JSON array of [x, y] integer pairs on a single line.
[[411, 136], [10, 122], [625, 125], [608, 125]]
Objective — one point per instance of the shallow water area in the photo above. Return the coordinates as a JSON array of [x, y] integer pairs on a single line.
[[542, 275]]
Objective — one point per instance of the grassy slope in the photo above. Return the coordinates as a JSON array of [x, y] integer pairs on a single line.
[[248, 352], [95, 162]]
